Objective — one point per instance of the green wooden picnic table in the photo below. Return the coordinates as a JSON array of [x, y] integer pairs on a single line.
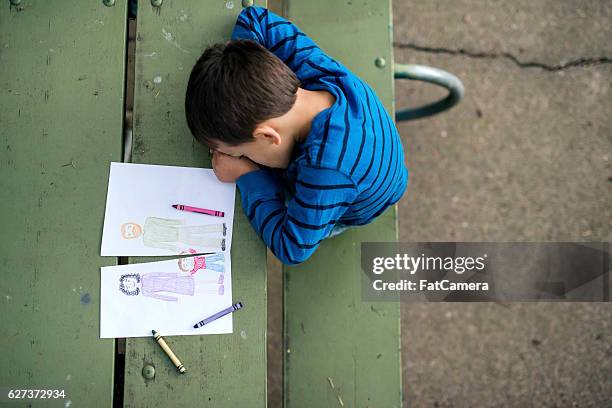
[[61, 118], [62, 121]]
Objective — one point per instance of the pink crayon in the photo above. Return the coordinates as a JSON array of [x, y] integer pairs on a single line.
[[214, 213]]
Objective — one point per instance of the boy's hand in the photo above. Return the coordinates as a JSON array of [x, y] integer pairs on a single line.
[[228, 169]]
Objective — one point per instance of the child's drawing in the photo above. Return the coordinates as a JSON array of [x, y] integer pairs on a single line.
[[213, 262], [158, 285], [165, 233]]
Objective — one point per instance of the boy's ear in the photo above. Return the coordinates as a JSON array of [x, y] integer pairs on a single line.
[[268, 133]]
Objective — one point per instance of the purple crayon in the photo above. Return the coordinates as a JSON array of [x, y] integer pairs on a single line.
[[222, 313]]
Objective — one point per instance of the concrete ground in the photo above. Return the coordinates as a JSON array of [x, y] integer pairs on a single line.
[[525, 157]]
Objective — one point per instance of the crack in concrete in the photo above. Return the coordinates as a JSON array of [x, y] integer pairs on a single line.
[[580, 62]]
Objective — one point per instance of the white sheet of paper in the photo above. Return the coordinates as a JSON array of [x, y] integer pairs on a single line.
[[139, 195], [149, 305]]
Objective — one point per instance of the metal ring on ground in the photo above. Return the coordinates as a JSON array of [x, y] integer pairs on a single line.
[[433, 76]]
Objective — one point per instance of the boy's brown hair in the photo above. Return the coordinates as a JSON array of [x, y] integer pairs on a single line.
[[232, 88]]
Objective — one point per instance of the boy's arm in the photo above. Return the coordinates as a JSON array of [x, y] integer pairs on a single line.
[[293, 232], [278, 35]]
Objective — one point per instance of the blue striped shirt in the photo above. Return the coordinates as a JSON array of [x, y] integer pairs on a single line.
[[349, 169]]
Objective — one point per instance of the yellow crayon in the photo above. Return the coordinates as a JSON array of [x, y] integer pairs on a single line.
[[162, 343]]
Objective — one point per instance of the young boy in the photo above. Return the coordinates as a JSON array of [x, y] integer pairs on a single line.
[[308, 143]]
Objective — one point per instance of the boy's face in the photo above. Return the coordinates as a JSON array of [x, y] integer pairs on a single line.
[[259, 152], [267, 148]]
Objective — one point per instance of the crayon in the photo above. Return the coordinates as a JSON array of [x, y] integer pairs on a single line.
[[216, 316], [162, 343], [214, 213]]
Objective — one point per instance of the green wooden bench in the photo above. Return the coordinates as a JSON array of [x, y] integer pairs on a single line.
[[61, 118], [331, 336], [62, 123]]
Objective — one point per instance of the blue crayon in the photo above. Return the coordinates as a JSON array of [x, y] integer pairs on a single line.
[[222, 313]]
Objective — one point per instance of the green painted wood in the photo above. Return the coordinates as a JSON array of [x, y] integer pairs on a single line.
[[61, 118], [223, 370], [329, 331]]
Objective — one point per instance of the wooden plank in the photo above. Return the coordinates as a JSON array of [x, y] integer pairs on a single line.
[[330, 332], [61, 115], [223, 370]]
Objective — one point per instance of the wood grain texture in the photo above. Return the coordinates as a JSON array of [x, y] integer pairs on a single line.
[[222, 370], [61, 118], [331, 335]]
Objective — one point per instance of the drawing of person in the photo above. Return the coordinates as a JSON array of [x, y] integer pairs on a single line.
[[213, 262], [164, 233], [158, 284]]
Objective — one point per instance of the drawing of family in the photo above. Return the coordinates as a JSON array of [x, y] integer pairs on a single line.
[[163, 285], [168, 234], [213, 262]]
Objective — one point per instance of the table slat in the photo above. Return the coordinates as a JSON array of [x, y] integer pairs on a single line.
[[223, 370], [329, 331], [61, 119]]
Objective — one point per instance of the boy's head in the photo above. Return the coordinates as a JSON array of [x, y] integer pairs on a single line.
[[234, 88]]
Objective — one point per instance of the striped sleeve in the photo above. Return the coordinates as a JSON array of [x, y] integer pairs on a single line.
[[293, 231], [276, 34]]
